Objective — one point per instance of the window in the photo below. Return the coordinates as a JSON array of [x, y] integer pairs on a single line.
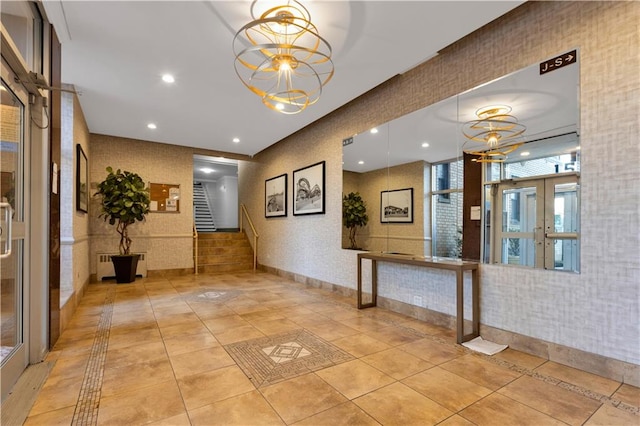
[[446, 195]]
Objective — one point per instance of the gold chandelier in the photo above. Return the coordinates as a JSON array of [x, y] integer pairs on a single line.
[[497, 130], [281, 57]]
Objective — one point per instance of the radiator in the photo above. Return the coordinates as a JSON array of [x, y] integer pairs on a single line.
[[105, 266]]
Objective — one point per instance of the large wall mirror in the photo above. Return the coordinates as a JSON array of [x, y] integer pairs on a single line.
[[409, 172]]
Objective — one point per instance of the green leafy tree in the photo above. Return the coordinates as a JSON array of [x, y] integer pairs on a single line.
[[125, 200], [354, 214]]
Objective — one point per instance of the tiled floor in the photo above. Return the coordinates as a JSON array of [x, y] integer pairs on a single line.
[[257, 349]]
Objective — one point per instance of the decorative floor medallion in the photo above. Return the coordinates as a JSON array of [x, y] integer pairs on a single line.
[[213, 295], [272, 359]]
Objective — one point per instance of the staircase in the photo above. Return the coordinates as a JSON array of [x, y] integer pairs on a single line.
[[201, 214], [224, 252]]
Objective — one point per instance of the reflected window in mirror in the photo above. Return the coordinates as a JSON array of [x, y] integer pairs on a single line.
[[447, 193]]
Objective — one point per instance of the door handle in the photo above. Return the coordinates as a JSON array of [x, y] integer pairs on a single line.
[[5, 230]]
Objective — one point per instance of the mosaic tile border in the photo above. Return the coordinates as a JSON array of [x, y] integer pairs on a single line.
[[212, 295], [86, 411], [272, 359]]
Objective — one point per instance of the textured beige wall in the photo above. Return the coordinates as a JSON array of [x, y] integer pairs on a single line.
[[165, 237], [595, 311], [74, 225]]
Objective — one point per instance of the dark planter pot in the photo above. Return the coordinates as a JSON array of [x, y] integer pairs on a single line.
[[125, 266]]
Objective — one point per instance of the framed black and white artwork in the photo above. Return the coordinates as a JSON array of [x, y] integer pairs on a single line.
[[396, 206], [275, 196], [309, 190]]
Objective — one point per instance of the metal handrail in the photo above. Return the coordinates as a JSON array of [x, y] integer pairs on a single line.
[[195, 249], [244, 211]]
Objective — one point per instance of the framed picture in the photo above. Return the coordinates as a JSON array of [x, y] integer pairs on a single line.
[[275, 196], [308, 189], [82, 180], [396, 206]]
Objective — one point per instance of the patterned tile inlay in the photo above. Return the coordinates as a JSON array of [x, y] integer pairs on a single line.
[[86, 412], [213, 295], [271, 359], [286, 352]]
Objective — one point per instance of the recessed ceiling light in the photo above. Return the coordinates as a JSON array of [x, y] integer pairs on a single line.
[[360, 162], [425, 144], [374, 130], [236, 140], [578, 147], [525, 153], [168, 78], [207, 170], [152, 126]]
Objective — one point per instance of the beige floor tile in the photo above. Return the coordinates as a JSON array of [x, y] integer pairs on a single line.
[[497, 409], [194, 326], [301, 397], [141, 406], [275, 326], [262, 316], [394, 336], [210, 310], [343, 414], [397, 363], [219, 324], [238, 334], [456, 420], [608, 415], [127, 377], [555, 401], [432, 351], [62, 417], [330, 330], [179, 420], [189, 363], [135, 354], [364, 324], [481, 372], [247, 409], [190, 342], [578, 377], [398, 404], [68, 367], [137, 337], [54, 395], [354, 378], [447, 389], [521, 359], [628, 394], [212, 386], [360, 345]]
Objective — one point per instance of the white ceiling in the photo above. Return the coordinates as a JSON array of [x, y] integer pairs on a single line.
[[115, 52]]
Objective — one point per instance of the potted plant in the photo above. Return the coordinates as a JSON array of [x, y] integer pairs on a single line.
[[354, 214], [125, 200]]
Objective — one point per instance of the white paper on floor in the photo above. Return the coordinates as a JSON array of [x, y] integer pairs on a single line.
[[484, 346]]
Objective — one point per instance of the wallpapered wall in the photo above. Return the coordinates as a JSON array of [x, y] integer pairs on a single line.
[[595, 311], [156, 163]]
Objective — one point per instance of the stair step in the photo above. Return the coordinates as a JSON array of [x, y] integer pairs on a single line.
[[212, 269]]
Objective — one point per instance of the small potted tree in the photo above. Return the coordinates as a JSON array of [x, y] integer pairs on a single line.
[[125, 200], [354, 214]]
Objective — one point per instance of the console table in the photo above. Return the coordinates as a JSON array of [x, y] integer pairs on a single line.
[[458, 266]]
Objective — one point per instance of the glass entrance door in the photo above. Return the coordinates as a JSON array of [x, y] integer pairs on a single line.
[[538, 223], [518, 239], [13, 230]]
